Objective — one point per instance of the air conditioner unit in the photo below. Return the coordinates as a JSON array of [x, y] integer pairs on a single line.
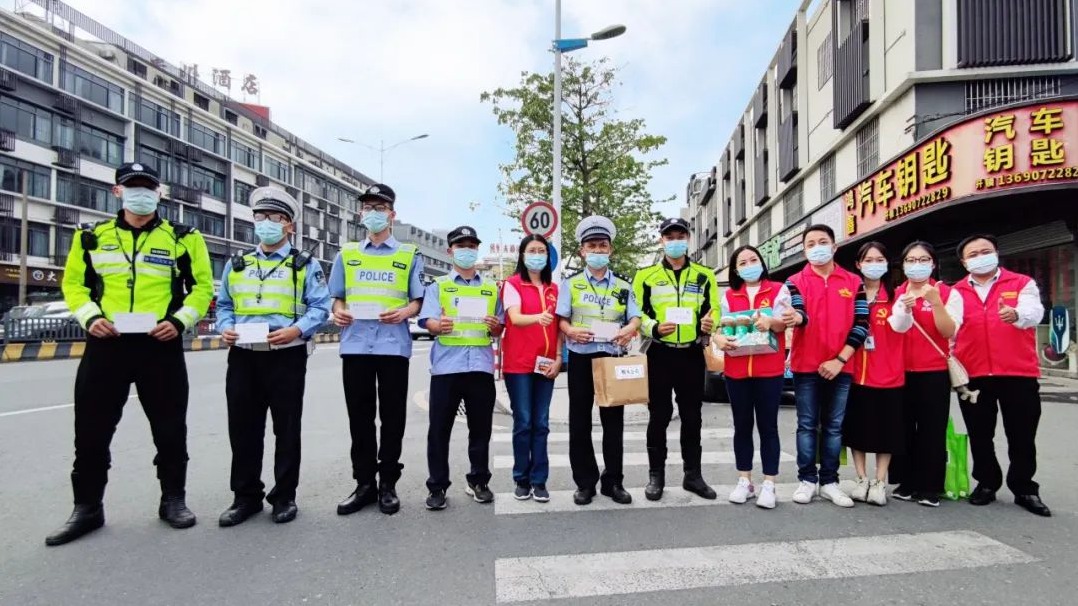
[[107, 54], [194, 154], [334, 239], [262, 180], [307, 199], [322, 205], [179, 149], [66, 104], [698, 186], [8, 80]]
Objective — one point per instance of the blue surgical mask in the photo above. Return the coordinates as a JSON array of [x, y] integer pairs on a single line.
[[268, 232], [751, 273], [597, 260], [676, 249], [874, 270], [535, 262], [820, 254], [375, 221], [465, 258], [983, 265], [918, 272], [141, 200]]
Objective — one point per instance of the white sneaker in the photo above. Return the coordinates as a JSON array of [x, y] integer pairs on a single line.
[[877, 493], [805, 492], [860, 491], [833, 493], [766, 498], [743, 491]]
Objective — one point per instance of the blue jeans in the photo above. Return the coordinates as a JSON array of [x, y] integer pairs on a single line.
[[529, 397], [756, 400], [821, 407]]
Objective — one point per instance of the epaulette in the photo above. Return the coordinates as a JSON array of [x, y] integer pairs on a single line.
[[574, 274]]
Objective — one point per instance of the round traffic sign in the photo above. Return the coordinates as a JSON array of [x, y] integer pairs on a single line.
[[553, 257], [540, 218]]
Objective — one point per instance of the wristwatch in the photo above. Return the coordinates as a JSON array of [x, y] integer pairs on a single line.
[[841, 359]]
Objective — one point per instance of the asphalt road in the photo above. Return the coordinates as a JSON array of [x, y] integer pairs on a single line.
[[678, 552]]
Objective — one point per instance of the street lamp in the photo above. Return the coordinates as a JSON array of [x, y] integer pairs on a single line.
[[567, 45], [382, 149]]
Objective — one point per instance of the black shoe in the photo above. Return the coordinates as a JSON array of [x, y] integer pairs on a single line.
[[1033, 504], [284, 512], [902, 493], [363, 495], [436, 501], [656, 484], [540, 493], [928, 500], [982, 496], [617, 493], [238, 512], [523, 491], [84, 520], [174, 510], [694, 483], [480, 492], [388, 502], [583, 496]]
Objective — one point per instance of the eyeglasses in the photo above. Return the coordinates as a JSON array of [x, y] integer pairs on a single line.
[[375, 207], [274, 217], [919, 260]]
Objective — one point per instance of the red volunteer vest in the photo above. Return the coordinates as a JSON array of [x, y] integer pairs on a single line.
[[767, 365], [522, 345], [830, 306], [920, 355], [884, 366], [986, 345]]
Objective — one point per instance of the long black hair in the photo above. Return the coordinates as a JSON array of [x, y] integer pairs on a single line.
[[885, 281], [931, 250], [522, 269], [736, 281]]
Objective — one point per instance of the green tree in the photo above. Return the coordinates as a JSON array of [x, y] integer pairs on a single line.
[[606, 159]]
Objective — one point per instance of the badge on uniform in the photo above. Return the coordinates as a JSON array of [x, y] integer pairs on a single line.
[[355, 262], [870, 343], [160, 251], [110, 247], [320, 278], [399, 265]]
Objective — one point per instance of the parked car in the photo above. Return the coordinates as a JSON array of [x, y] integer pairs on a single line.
[[45, 322], [417, 331]]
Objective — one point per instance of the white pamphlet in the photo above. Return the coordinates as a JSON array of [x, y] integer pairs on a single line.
[[365, 311], [605, 331], [540, 362], [473, 308], [254, 332], [134, 323], [679, 315]]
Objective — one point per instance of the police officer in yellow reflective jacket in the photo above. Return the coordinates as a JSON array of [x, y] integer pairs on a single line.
[[278, 296], [679, 300], [135, 283]]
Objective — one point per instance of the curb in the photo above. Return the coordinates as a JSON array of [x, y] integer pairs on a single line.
[[28, 352]]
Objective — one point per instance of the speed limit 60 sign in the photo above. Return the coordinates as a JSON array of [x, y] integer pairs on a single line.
[[540, 218]]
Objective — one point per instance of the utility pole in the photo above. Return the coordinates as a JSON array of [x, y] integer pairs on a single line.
[[24, 237]]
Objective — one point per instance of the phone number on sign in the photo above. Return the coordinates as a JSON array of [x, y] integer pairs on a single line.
[[1029, 176], [924, 201]]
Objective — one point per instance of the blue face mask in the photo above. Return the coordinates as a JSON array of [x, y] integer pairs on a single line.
[[268, 232], [465, 258], [820, 254], [918, 272], [597, 260], [874, 270], [983, 265], [375, 222], [140, 200], [535, 262], [751, 273], [676, 249]]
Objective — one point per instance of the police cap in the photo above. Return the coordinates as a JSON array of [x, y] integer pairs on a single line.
[[595, 227], [132, 171]]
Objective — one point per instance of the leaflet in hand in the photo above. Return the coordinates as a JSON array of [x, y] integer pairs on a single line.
[[680, 315], [365, 311], [134, 323], [254, 332], [542, 364], [473, 308], [605, 331]]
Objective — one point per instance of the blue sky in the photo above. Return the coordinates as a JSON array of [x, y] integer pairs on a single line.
[[389, 70]]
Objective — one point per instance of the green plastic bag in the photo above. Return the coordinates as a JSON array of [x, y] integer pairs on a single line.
[[956, 483], [842, 460]]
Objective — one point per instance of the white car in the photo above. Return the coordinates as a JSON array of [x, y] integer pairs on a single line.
[[417, 331]]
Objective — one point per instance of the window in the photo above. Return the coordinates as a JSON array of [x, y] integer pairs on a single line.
[[28, 121], [64, 236], [204, 179], [95, 89], [243, 231], [312, 217], [22, 57], [987, 94], [231, 117], [161, 162], [37, 244], [169, 210], [11, 177], [202, 102], [87, 194], [330, 251], [211, 224], [217, 263], [205, 137], [242, 193], [260, 132], [100, 145], [868, 148], [825, 62], [246, 156], [333, 225], [157, 116], [793, 207], [277, 170], [827, 178], [763, 225]]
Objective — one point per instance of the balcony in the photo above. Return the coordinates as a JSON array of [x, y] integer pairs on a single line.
[[65, 158], [7, 140], [183, 193], [66, 104], [8, 80]]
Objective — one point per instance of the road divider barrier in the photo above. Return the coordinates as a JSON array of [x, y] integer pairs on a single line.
[[51, 350]]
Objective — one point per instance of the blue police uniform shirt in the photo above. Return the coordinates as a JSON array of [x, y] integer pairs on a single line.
[[315, 297], [601, 286], [371, 337], [446, 359]]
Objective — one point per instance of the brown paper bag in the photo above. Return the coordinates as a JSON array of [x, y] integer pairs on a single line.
[[620, 381], [714, 357]]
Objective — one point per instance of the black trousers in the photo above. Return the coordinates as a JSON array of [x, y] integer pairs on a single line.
[[257, 381], [1018, 399], [376, 384], [476, 390], [680, 371], [581, 451], [926, 403], [102, 385]]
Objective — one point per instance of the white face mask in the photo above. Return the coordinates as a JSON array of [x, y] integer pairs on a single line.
[[140, 200]]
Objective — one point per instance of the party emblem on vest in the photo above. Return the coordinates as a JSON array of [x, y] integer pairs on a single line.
[[399, 265], [845, 293], [160, 251], [1011, 294], [110, 247], [765, 302], [881, 312], [355, 262]]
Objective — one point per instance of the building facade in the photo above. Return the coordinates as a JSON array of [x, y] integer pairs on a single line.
[[432, 246], [896, 121]]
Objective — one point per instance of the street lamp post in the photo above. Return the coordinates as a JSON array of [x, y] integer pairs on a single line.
[[566, 45], [382, 149]]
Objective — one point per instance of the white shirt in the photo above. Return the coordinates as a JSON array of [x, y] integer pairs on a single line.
[[901, 319], [1029, 307]]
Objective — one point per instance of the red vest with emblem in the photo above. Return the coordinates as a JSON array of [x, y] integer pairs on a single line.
[[988, 346], [920, 355], [830, 307], [522, 345], [884, 366], [766, 365]]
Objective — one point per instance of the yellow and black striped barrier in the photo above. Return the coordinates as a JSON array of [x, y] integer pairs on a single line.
[[22, 352]]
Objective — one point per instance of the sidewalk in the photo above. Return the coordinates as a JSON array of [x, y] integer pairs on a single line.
[[635, 414]]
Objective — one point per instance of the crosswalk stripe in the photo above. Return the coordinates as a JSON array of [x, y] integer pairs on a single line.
[[636, 459], [561, 501], [629, 436], [631, 572]]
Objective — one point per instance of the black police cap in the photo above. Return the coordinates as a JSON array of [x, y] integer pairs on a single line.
[[135, 170], [379, 193], [463, 233], [674, 223]]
